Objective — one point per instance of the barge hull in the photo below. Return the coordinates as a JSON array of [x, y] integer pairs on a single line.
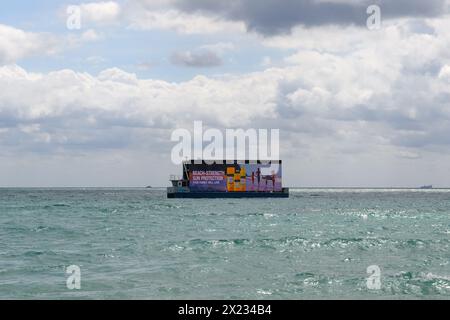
[[218, 195]]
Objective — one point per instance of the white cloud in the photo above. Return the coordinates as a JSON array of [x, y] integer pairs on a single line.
[[90, 36], [115, 96], [362, 98], [153, 15], [319, 88], [104, 12], [444, 74], [116, 75], [181, 22], [16, 44], [74, 40]]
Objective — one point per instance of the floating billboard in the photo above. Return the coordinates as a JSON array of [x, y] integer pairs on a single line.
[[238, 176]]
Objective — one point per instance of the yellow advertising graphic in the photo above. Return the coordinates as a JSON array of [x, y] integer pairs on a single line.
[[230, 179]]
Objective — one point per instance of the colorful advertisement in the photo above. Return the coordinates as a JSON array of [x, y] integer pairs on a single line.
[[237, 177]]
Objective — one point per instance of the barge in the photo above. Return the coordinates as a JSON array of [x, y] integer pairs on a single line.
[[229, 179]]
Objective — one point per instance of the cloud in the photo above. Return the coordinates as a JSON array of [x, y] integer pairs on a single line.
[[266, 17], [209, 55], [390, 93], [104, 12], [444, 74], [204, 58], [16, 44], [67, 111], [89, 36], [142, 18], [78, 39], [340, 96], [272, 17]]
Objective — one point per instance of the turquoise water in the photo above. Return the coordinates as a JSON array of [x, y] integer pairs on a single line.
[[135, 243]]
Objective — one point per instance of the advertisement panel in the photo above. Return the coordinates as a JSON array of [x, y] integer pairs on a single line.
[[207, 180], [237, 177]]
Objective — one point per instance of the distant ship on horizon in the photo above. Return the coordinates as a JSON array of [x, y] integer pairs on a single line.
[[426, 187]]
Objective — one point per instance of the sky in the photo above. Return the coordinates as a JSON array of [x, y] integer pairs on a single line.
[[96, 105]]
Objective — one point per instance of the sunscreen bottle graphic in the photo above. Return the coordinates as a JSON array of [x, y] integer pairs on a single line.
[[237, 181], [243, 181], [230, 179]]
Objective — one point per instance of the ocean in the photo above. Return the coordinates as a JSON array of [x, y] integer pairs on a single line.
[[136, 244]]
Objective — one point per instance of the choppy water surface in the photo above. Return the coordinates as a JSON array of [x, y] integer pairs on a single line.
[[135, 243]]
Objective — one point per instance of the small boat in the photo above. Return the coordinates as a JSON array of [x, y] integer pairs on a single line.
[[426, 187]]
